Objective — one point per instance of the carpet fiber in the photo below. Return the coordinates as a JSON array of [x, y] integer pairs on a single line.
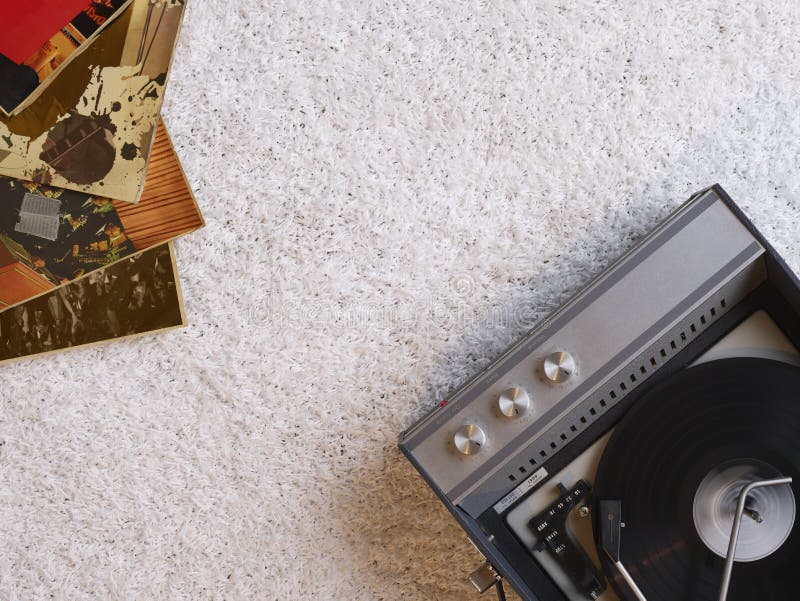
[[395, 191]]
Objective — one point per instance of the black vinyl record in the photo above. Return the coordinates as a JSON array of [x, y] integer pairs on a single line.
[[662, 450]]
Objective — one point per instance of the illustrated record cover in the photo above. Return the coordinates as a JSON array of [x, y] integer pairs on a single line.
[[136, 296], [50, 236], [27, 24], [92, 128], [24, 76]]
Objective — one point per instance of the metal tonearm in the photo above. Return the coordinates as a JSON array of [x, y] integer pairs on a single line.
[[737, 522]]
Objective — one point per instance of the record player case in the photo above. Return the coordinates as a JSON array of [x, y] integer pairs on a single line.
[[700, 274]]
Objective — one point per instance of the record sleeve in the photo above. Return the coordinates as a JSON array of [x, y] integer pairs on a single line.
[[22, 79], [50, 236], [27, 24], [92, 128], [137, 296]]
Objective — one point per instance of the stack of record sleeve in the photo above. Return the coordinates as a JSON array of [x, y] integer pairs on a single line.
[[92, 194]]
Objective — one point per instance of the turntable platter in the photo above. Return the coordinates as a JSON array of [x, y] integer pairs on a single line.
[[677, 462]]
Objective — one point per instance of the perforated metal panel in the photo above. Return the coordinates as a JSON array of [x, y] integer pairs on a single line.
[[39, 216]]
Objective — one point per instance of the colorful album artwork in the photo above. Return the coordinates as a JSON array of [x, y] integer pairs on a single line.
[[23, 79], [50, 236], [59, 234], [92, 128], [136, 296], [27, 24]]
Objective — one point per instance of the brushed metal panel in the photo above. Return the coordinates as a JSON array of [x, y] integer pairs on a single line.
[[655, 280]]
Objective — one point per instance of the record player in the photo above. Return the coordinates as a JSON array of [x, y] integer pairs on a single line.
[[643, 441]]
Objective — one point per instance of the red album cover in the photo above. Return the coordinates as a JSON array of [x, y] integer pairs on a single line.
[[89, 126], [21, 83], [25, 25]]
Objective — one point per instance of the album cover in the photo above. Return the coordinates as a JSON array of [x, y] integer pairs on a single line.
[[137, 296], [92, 128], [50, 236], [23, 78], [27, 24]]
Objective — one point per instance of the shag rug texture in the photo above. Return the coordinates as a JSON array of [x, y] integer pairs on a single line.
[[395, 191]]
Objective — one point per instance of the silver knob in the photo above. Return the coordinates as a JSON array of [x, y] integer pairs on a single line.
[[469, 439], [514, 402], [559, 366]]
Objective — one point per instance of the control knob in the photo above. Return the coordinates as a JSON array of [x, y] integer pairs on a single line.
[[559, 367], [513, 402], [469, 439]]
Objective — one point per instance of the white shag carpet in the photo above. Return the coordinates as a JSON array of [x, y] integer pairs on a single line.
[[395, 191]]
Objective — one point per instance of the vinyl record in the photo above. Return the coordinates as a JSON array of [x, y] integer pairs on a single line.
[[685, 436]]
